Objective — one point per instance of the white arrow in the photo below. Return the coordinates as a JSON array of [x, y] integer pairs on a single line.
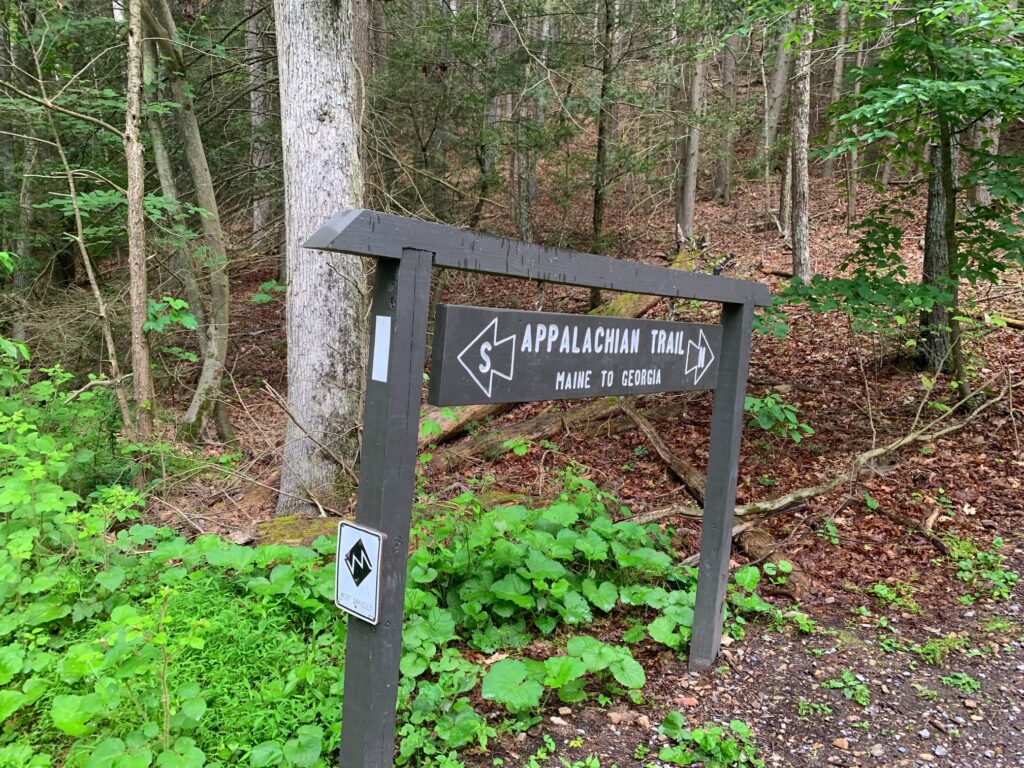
[[479, 366], [699, 358]]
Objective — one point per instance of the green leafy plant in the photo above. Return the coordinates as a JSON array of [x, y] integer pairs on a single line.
[[167, 313], [851, 686], [808, 709], [773, 415], [963, 681], [983, 570], [267, 291], [936, 650], [896, 595], [713, 746]]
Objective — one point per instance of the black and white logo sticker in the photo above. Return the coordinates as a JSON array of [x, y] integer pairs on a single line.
[[357, 580]]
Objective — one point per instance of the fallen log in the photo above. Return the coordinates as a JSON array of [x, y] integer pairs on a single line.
[[453, 422], [492, 444]]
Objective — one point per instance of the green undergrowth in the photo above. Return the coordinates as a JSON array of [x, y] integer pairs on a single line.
[[125, 645]]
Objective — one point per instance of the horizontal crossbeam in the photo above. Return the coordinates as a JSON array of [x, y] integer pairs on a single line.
[[382, 235]]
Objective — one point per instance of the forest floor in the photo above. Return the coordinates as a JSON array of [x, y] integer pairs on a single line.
[[906, 642]]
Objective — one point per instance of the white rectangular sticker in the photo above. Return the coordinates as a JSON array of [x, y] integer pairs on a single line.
[[381, 348], [357, 579]]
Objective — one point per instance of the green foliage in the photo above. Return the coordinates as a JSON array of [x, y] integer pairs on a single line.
[[963, 681], [896, 595], [851, 686], [936, 650], [808, 709], [167, 313], [983, 570], [266, 292], [123, 644], [712, 746], [773, 415]]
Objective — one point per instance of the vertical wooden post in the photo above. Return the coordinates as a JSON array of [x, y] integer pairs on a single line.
[[394, 383], [720, 498]]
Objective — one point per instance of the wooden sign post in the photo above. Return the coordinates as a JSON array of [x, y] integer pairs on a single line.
[[488, 355]]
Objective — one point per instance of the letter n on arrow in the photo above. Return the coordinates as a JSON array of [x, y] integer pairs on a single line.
[[485, 357]]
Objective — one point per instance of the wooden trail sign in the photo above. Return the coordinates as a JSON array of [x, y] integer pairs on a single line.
[[507, 356], [482, 355]]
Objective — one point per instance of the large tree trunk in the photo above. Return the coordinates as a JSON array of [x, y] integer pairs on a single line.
[[138, 283], [261, 114], [723, 168], [800, 136], [604, 121], [19, 235], [842, 26], [775, 100], [688, 152], [935, 339], [23, 242], [326, 291], [206, 399]]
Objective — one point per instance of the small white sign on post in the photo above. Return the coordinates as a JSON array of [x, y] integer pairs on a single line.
[[357, 583]]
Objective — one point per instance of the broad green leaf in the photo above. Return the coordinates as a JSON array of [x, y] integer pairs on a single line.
[[507, 683], [663, 630], [304, 750], [628, 672], [748, 577], [111, 578], [12, 659], [266, 754], [561, 514], [575, 610], [72, 714], [10, 702], [604, 596], [539, 566], [560, 670]]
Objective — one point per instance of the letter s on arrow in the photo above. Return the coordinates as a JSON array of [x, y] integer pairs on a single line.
[[485, 366]]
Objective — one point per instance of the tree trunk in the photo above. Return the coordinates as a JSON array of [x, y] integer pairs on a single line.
[[686, 184], [603, 133], [327, 292], [985, 140], [138, 284], [842, 26], [207, 394], [486, 152], [786, 194], [183, 265], [852, 169], [800, 139], [775, 99], [723, 169], [934, 336], [261, 112]]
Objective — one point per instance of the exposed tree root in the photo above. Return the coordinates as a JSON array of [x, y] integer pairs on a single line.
[[692, 480]]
